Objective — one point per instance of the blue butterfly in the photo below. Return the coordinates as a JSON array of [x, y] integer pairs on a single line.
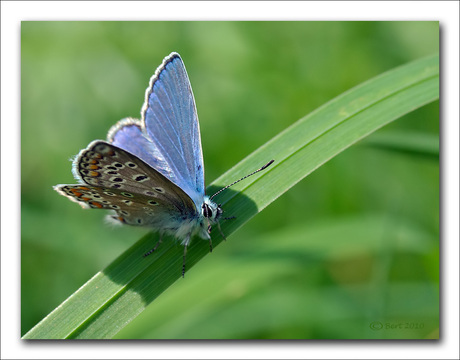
[[150, 171]]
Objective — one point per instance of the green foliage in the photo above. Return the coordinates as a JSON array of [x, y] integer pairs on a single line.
[[354, 244]]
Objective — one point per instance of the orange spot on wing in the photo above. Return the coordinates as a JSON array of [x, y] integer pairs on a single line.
[[93, 167], [94, 173], [85, 199], [96, 204], [76, 193], [84, 188], [121, 219]]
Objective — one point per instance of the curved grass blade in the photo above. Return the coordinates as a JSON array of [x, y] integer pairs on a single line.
[[116, 295]]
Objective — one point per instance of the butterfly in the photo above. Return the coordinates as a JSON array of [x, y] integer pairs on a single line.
[[150, 172]]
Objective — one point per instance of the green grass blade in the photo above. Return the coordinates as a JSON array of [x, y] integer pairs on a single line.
[[413, 143], [113, 297]]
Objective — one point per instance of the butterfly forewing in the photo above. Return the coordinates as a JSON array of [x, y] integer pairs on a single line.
[[107, 168], [171, 123]]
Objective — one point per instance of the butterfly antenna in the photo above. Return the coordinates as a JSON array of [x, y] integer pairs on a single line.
[[244, 177]]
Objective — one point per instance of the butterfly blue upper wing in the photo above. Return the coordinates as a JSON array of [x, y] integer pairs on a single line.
[[168, 136], [171, 121], [129, 135]]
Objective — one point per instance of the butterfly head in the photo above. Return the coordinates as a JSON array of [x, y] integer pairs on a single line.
[[210, 210]]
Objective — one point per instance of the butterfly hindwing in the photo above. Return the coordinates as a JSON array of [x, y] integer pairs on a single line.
[[131, 208], [129, 134]]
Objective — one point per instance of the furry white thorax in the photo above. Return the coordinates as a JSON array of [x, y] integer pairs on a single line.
[[207, 215]]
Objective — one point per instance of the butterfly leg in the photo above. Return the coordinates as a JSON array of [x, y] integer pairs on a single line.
[[221, 232], [183, 261], [154, 248], [210, 240]]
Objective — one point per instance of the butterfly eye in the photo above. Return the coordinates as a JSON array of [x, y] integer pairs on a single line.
[[207, 212]]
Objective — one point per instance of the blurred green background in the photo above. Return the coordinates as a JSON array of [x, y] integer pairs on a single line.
[[350, 252]]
